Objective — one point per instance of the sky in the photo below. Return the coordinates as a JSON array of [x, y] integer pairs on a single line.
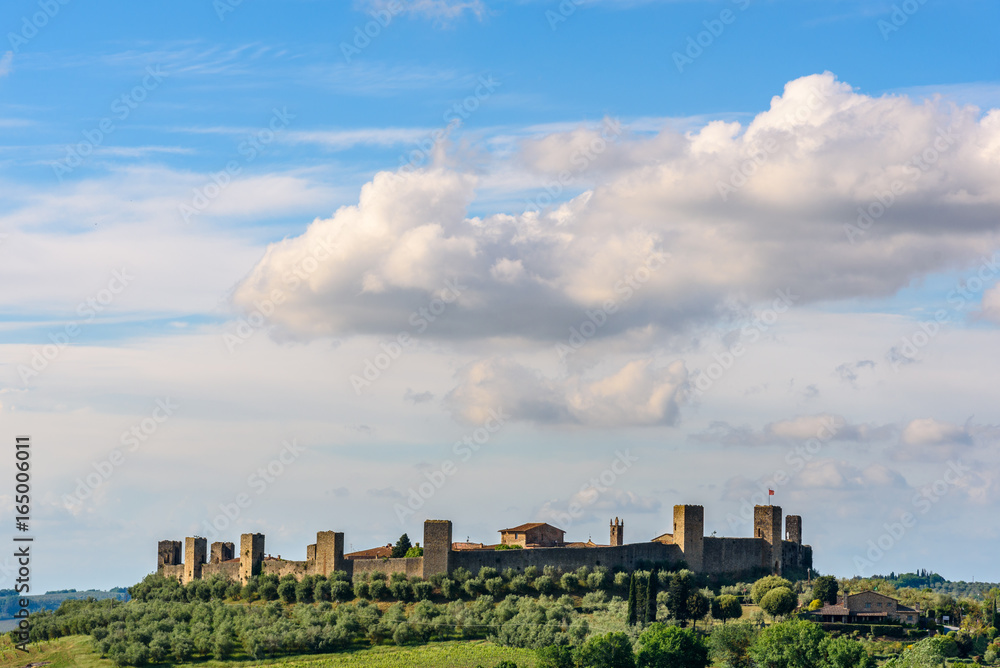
[[287, 267]]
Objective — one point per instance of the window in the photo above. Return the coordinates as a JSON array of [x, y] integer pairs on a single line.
[[868, 605], [880, 605]]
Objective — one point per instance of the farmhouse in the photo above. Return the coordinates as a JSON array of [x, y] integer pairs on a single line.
[[868, 607]]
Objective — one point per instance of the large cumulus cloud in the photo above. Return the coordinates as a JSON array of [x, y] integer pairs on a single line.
[[820, 154]]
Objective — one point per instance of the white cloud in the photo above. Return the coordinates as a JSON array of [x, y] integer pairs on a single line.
[[928, 431], [991, 304], [439, 10], [639, 393], [6, 63], [833, 151]]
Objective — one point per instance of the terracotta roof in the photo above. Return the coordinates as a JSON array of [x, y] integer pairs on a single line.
[[473, 546], [589, 543], [529, 526], [373, 553], [832, 610]]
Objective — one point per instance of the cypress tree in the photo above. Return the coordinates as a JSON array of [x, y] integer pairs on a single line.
[[632, 612], [651, 590]]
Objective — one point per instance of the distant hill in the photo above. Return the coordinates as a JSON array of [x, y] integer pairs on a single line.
[[49, 601]]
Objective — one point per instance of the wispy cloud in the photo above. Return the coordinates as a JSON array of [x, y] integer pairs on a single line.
[[6, 62]]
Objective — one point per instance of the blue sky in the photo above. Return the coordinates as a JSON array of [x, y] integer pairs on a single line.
[[536, 157]]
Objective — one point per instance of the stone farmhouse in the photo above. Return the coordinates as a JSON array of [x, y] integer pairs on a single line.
[[868, 607], [769, 551]]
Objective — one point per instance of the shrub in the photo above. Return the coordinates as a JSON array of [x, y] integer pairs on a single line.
[[729, 644], [672, 646], [377, 590], [766, 584], [286, 591], [545, 585], [778, 602], [422, 591], [596, 580], [340, 590], [556, 656], [594, 600], [726, 607], [612, 650], [401, 590], [494, 586], [450, 589]]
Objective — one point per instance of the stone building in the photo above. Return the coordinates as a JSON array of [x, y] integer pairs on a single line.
[[533, 534], [765, 552], [868, 607]]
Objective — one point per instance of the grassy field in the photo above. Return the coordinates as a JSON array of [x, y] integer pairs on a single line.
[[75, 652]]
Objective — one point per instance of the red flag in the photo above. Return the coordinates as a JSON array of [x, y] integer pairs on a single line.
[[770, 492]]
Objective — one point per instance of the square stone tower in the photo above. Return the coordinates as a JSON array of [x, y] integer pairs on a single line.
[[168, 553], [767, 525], [617, 533], [793, 529], [437, 547], [329, 552], [195, 555], [221, 552], [251, 555], [689, 534]]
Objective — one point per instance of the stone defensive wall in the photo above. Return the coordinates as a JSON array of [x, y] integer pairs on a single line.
[[628, 557], [765, 552]]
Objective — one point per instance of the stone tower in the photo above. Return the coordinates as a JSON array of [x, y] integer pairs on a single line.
[[221, 552], [689, 534], [793, 529], [168, 554], [437, 547], [617, 533], [329, 552], [251, 555], [195, 555], [767, 525]]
